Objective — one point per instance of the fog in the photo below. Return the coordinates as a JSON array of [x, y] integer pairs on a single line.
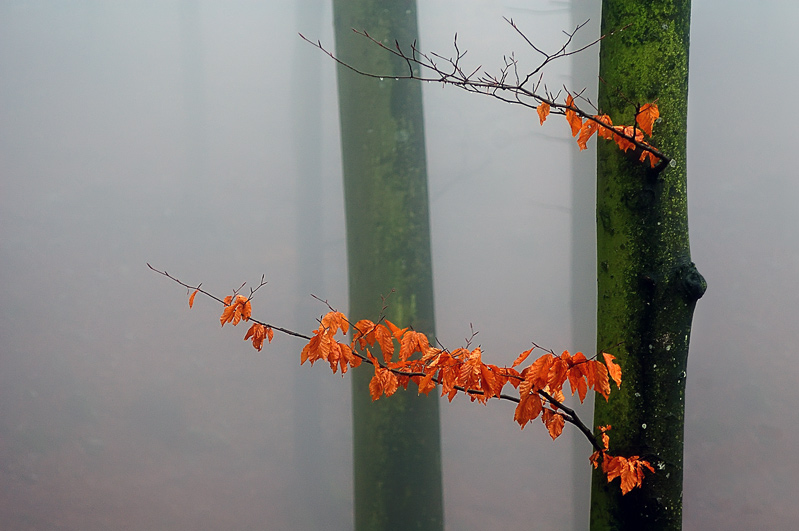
[[203, 138]]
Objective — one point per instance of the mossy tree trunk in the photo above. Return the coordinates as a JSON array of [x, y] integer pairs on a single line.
[[647, 284], [397, 449]]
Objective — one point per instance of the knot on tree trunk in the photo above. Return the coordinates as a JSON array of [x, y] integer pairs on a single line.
[[692, 282]]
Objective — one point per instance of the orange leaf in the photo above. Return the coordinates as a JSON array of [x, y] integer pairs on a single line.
[[341, 355], [352, 359], [556, 394], [311, 350], [526, 385], [630, 470], [227, 314], [540, 370], [448, 377], [578, 360], [365, 334], [543, 111], [335, 321], [646, 117], [521, 357], [236, 310], [613, 369], [596, 457], [364, 327], [403, 379], [411, 343], [257, 332], [529, 408], [653, 159], [469, 376], [432, 357], [318, 347], [383, 382], [577, 376], [334, 355], [625, 143], [386, 341], [577, 382], [375, 387], [395, 330], [246, 312], [605, 132], [622, 142], [586, 132], [601, 382], [605, 438], [494, 379], [554, 423], [489, 382], [571, 116], [557, 374], [191, 298], [427, 384]]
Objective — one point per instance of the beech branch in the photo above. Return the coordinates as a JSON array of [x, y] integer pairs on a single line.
[[508, 85], [568, 414], [210, 295]]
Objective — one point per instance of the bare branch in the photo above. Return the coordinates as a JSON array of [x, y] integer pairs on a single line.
[[197, 287], [508, 85], [209, 295]]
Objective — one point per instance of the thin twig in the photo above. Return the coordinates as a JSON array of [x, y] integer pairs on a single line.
[[498, 85], [210, 295]]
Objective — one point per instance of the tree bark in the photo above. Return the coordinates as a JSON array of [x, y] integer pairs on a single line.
[[397, 449], [647, 284]]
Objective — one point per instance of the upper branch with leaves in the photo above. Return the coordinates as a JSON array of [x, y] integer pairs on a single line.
[[511, 85]]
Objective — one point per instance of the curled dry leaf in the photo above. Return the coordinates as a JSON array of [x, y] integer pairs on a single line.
[[257, 333], [543, 111], [574, 120]]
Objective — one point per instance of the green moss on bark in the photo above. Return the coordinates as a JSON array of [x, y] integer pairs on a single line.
[[647, 284]]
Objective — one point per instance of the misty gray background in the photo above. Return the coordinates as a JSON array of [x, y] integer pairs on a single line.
[[203, 138]]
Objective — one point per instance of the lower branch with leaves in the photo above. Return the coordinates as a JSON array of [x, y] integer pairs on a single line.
[[462, 370]]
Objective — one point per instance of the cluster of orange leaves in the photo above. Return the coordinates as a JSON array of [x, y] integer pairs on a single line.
[[603, 126], [629, 469], [540, 384], [240, 309]]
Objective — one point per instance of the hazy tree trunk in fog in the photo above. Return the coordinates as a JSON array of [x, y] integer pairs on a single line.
[[583, 262], [313, 479], [397, 450], [647, 284]]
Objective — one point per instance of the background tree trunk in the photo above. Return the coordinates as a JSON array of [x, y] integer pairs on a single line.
[[397, 449], [647, 284], [312, 479]]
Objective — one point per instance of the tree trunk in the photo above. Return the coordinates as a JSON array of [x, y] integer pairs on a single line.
[[312, 475], [397, 449], [647, 284]]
